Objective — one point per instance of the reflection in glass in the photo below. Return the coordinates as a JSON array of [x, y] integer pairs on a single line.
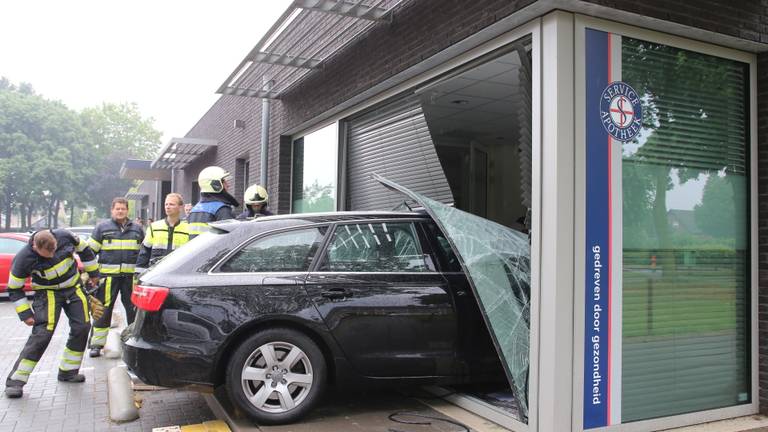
[[284, 252], [314, 171], [375, 247], [685, 236]]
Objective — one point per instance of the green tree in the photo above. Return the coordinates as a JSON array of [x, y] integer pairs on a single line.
[[687, 120], [118, 132], [51, 156], [40, 142]]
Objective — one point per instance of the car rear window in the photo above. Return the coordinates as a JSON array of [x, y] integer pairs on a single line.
[[289, 251]]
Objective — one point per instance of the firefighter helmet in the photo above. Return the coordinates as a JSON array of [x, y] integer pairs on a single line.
[[211, 179], [255, 194]]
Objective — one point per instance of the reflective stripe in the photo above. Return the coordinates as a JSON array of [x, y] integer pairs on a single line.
[[99, 337], [15, 282], [95, 245], [51, 311], [117, 268], [25, 368], [72, 281], [107, 291], [90, 266], [140, 269], [80, 294], [21, 305], [81, 245], [117, 244], [59, 269], [70, 360]]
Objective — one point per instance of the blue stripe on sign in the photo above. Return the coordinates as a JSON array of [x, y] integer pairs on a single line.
[[597, 227]]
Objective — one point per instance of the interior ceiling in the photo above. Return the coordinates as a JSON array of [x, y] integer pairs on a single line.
[[479, 103]]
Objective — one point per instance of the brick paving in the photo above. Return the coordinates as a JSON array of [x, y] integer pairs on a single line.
[[52, 406]]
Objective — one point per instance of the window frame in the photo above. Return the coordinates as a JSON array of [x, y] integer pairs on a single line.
[[581, 23], [23, 243], [216, 269]]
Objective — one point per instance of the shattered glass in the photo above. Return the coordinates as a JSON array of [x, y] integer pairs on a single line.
[[496, 260]]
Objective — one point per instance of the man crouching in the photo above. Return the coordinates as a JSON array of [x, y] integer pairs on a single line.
[[49, 259]]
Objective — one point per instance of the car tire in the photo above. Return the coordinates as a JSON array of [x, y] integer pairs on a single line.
[[264, 386]]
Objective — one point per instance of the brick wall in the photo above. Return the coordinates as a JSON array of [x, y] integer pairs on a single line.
[[745, 19], [418, 30], [762, 248], [234, 143]]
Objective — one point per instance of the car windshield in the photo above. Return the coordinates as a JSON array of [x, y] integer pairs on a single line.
[[11, 246], [496, 260]]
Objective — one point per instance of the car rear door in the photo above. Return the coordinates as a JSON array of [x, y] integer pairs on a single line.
[[384, 302]]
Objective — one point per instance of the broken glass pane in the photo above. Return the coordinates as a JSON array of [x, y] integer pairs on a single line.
[[496, 260]]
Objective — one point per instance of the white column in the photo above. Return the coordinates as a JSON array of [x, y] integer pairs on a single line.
[[555, 336]]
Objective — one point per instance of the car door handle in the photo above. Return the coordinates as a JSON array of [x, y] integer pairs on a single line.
[[336, 293]]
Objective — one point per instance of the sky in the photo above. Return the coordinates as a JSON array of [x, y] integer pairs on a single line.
[[168, 56]]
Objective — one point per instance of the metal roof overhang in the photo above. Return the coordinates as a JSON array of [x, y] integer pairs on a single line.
[[180, 152], [307, 34], [138, 196], [136, 169]]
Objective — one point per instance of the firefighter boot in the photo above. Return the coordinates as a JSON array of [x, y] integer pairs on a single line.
[[13, 392], [71, 376]]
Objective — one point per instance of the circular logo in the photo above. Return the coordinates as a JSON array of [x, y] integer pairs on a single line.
[[620, 111]]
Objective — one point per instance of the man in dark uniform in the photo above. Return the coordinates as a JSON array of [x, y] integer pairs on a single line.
[[215, 202], [49, 259], [117, 241]]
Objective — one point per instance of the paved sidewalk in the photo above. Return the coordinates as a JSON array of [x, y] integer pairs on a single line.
[[48, 405]]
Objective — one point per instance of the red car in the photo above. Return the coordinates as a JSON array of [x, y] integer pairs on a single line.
[[10, 245]]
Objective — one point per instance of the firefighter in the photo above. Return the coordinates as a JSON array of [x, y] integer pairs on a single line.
[[165, 235], [255, 202], [117, 241], [49, 259], [215, 202]]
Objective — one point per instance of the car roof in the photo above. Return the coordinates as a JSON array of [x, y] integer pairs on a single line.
[[298, 219], [346, 215], [16, 236]]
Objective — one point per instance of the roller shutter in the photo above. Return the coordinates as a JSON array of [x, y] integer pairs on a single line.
[[393, 141]]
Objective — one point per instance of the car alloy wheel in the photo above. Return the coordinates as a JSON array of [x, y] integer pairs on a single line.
[[277, 377]]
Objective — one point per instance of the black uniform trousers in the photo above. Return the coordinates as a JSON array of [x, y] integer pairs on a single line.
[[47, 306], [109, 288]]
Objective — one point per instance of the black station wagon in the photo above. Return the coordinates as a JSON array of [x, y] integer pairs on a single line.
[[277, 308]]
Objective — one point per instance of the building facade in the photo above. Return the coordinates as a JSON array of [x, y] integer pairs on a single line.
[[626, 137]]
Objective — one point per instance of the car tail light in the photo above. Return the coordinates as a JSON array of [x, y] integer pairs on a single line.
[[149, 298]]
